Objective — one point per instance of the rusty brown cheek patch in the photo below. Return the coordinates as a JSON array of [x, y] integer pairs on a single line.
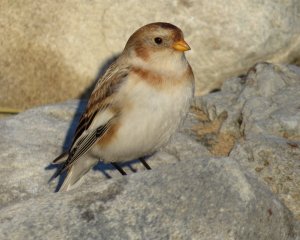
[[142, 52]]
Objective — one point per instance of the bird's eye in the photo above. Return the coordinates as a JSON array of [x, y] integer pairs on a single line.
[[158, 40]]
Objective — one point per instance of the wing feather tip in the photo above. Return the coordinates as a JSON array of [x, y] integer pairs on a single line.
[[61, 158]]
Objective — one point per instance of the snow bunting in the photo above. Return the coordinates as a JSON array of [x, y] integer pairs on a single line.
[[136, 106]]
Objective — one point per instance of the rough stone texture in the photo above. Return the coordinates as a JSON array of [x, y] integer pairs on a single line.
[[264, 114], [54, 50], [201, 199], [188, 194]]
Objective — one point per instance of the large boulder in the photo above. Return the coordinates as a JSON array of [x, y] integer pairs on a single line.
[[263, 114], [188, 194], [55, 50], [196, 199]]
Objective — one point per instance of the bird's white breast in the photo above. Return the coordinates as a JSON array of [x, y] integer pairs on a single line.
[[150, 119]]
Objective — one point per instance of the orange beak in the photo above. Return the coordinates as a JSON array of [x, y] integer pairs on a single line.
[[181, 46]]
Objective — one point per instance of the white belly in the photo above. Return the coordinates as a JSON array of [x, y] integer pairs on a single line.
[[149, 123]]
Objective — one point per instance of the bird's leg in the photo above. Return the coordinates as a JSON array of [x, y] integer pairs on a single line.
[[142, 159], [118, 168], [132, 168]]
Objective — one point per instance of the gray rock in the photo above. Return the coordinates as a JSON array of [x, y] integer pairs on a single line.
[[199, 199], [52, 51], [263, 108], [188, 194]]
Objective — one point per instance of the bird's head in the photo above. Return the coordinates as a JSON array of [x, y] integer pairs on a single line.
[[157, 43]]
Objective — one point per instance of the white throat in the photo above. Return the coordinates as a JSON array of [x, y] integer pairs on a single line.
[[163, 62]]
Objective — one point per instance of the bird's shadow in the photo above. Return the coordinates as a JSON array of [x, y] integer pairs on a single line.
[[83, 97]]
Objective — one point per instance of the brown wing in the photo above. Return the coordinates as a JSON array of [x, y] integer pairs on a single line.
[[100, 99]]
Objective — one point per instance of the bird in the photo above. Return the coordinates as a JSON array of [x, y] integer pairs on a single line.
[[136, 106]]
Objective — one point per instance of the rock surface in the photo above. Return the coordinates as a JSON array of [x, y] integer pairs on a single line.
[[264, 113], [188, 194], [54, 50], [201, 199]]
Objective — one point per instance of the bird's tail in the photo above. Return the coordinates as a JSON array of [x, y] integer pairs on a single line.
[[61, 158], [76, 171]]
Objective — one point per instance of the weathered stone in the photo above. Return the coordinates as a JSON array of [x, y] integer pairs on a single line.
[[54, 50], [198, 199], [188, 194], [263, 110]]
